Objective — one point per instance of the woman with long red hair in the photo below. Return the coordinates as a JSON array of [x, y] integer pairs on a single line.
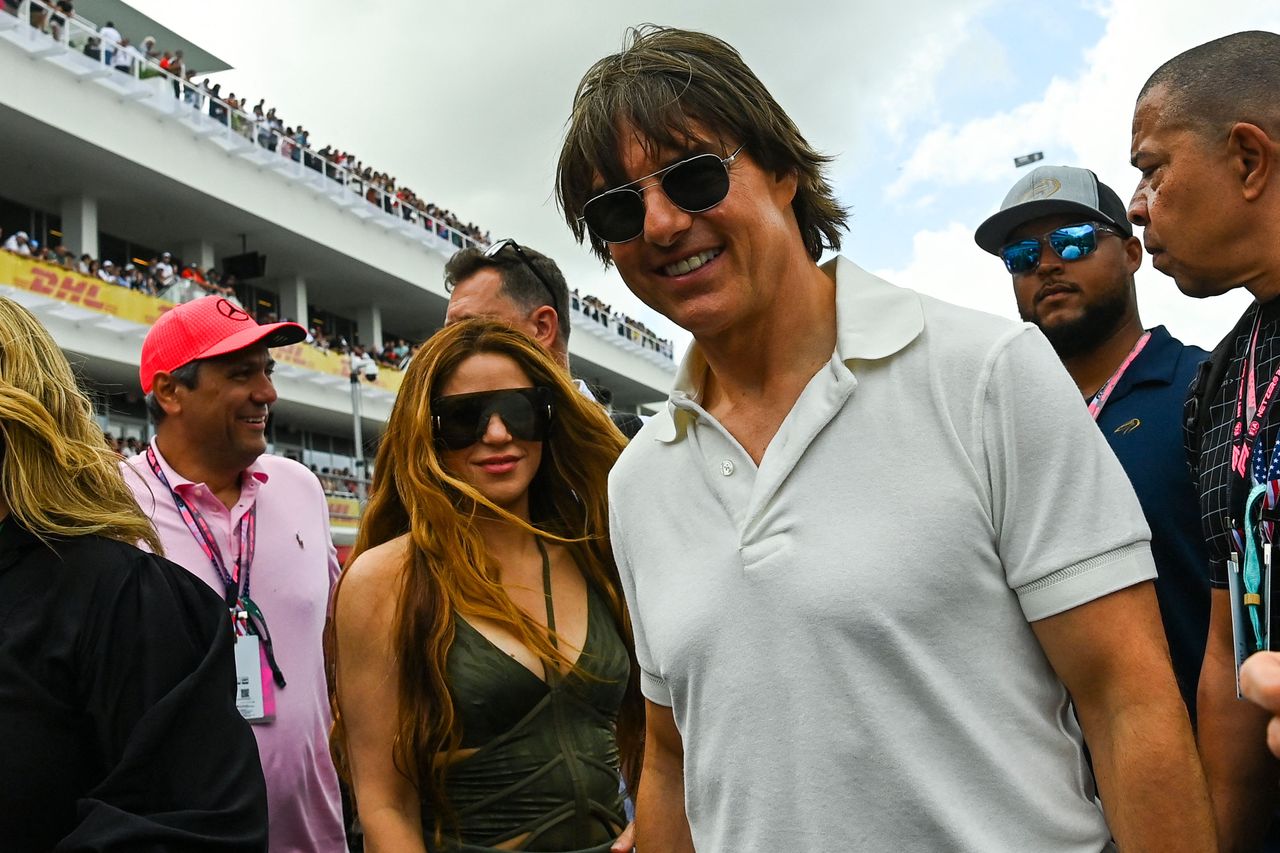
[[485, 691]]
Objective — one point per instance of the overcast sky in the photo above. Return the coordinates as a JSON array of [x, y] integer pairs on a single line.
[[924, 103]]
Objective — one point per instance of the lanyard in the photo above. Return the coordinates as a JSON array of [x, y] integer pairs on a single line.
[[235, 580], [1104, 393], [1243, 437]]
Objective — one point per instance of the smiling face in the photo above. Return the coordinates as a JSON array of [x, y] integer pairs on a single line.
[[1080, 303], [1184, 201], [224, 416], [499, 466], [709, 271]]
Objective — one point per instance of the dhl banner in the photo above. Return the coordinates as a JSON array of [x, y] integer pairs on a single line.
[[343, 510], [88, 292], [94, 294]]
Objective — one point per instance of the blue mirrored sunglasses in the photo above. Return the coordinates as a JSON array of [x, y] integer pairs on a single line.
[[1071, 243]]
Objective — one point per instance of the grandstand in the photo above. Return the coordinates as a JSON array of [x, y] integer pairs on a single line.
[[115, 163]]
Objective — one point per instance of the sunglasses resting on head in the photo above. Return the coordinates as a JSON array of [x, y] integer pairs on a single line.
[[695, 184], [461, 420], [1070, 242]]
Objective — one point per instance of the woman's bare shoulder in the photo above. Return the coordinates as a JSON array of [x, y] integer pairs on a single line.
[[372, 580]]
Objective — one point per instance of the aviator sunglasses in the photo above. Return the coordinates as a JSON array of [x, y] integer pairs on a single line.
[[460, 420], [1071, 243], [693, 185], [496, 249]]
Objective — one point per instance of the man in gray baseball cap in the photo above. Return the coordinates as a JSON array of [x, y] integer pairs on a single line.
[[1071, 253]]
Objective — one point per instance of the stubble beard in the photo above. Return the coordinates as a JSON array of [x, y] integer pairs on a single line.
[[1098, 322]]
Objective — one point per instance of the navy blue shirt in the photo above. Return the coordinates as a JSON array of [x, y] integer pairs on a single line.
[[1142, 422]]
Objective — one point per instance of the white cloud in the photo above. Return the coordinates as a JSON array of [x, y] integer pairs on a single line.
[[1083, 120]]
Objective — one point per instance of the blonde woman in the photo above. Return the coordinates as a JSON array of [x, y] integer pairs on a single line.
[[487, 696], [118, 724]]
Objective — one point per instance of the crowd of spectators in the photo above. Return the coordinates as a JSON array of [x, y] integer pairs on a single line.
[[162, 275], [261, 124], [626, 327], [125, 447], [258, 123]]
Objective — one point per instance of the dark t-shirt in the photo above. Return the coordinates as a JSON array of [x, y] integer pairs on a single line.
[[118, 725], [1142, 421]]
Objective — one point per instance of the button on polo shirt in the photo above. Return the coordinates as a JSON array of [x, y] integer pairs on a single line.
[[843, 633]]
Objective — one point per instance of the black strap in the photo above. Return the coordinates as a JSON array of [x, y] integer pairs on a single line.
[[546, 591], [1204, 390]]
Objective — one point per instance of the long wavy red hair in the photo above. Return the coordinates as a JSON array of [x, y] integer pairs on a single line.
[[450, 570]]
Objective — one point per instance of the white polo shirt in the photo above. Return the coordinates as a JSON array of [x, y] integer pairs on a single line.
[[843, 634]]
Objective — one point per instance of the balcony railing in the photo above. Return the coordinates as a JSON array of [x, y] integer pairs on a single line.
[[236, 130]]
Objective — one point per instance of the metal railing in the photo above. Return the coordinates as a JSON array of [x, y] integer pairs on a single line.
[[215, 117], [239, 128]]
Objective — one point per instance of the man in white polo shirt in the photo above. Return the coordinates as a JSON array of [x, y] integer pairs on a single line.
[[875, 545]]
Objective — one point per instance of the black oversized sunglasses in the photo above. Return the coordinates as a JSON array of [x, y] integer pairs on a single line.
[[1071, 243], [460, 420], [494, 250], [693, 185]]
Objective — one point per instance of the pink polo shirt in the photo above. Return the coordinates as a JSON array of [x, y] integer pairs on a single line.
[[294, 568]]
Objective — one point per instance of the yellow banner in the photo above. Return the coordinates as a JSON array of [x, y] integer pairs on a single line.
[[343, 509], [86, 291], [97, 295]]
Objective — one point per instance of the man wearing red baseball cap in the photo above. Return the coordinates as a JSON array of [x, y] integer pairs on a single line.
[[255, 528]]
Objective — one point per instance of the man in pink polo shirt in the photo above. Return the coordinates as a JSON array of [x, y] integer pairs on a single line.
[[255, 528]]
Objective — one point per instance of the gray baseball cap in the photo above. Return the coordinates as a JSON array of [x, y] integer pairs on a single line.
[[1049, 190]]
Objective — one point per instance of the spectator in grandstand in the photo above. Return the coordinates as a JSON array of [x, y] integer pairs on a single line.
[[206, 371], [105, 271], [118, 725], [110, 37], [126, 57], [93, 49], [58, 22], [217, 109], [191, 93], [18, 243], [162, 269], [149, 49], [466, 480]]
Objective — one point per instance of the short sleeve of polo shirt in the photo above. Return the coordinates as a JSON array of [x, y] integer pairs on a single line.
[[1068, 525], [654, 688]]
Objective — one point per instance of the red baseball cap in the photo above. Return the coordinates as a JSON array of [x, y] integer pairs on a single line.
[[205, 328]]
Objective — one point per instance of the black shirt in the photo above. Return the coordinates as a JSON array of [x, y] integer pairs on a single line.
[[118, 725], [1218, 491]]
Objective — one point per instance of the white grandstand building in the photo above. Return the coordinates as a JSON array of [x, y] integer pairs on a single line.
[[119, 165]]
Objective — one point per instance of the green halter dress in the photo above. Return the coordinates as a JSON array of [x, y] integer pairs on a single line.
[[547, 760]]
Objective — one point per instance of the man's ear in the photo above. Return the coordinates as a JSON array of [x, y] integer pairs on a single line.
[[546, 325], [1132, 254], [1251, 154], [786, 184], [165, 389]]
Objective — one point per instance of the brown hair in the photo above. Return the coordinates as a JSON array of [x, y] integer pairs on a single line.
[[519, 283], [662, 82], [450, 571]]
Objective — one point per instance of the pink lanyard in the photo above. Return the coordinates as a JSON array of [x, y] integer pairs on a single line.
[[235, 581], [1100, 399], [1249, 406]]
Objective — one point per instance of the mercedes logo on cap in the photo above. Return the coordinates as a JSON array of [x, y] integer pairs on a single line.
[[229, 310]]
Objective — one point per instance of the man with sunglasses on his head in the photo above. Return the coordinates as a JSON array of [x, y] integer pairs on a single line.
[[525, 289], [874, 548], [1065, 240]]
